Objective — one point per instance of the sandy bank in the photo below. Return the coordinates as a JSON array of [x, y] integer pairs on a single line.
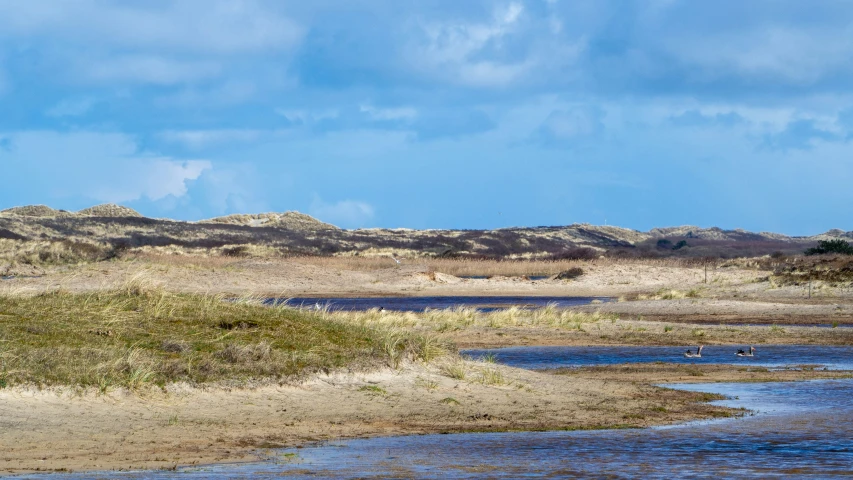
[[50, 430]]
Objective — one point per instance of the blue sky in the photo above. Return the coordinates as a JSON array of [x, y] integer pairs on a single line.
[[435, 113]]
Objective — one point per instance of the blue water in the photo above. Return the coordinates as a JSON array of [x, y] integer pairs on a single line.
[[800, 430], [419, 304], [833, 357]]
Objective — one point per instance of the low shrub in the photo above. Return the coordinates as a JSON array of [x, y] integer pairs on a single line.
[[570, 274], [837, 246]]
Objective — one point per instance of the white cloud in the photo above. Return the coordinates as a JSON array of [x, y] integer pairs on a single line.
[[148, 69], [571, 123], [189, 25], [456, 47], [113, 42], [305, 117], [796, 55], [376, 113], [197, 139], [105, 167], [152, 178], [345, 213]]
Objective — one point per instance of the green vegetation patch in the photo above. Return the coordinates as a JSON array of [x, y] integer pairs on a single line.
[[142, 336], [836, 246]]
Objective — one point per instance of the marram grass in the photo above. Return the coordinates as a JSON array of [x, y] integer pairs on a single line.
[[140, 336], [461, 318]]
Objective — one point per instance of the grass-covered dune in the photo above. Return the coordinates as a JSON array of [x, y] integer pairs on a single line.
[[139, 336]]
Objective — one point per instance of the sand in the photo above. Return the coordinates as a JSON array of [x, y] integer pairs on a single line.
[[64, 430]]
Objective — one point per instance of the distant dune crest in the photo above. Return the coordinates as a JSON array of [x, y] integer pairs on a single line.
[[296, 233], [103, 210], [292, 220], [109, 210], [34, 211]]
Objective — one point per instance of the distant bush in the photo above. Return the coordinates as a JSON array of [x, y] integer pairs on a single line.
[[681, 244], [837, 246], [10, 235], [238, 251], [570, 274], [576, 253], [664, 244]]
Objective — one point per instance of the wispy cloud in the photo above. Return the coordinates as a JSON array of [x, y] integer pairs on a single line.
[[100, 166], [216, 26], [147, 69], [198, 139], [399, 113], [344, 213]]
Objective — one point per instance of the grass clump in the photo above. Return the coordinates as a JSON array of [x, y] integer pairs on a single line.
[[455, 319], [140, 335], [492, 376], [455, 370], [373, 389]]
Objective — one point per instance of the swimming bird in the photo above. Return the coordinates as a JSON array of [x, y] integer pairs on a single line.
[[741, 353], [698, 353]]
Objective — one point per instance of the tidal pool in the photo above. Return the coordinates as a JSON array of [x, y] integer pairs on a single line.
[[798, 430], [419, 304], [833, 357]]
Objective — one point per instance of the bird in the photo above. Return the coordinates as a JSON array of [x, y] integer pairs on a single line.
[[392, 258], [741, 353], [698, 353]]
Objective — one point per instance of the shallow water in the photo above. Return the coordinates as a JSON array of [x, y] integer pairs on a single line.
[[801, 430], [419, 304], [833, 357]]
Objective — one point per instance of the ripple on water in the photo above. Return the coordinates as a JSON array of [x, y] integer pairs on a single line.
[[834, 357]]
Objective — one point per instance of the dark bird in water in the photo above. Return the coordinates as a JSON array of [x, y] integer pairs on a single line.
[[698, 353], [741, 353]]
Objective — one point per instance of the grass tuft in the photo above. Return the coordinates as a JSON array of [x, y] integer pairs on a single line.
[[374, 390], [492, 376], [455, 370]]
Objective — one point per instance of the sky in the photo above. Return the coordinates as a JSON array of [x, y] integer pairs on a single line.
[[434, 113]]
